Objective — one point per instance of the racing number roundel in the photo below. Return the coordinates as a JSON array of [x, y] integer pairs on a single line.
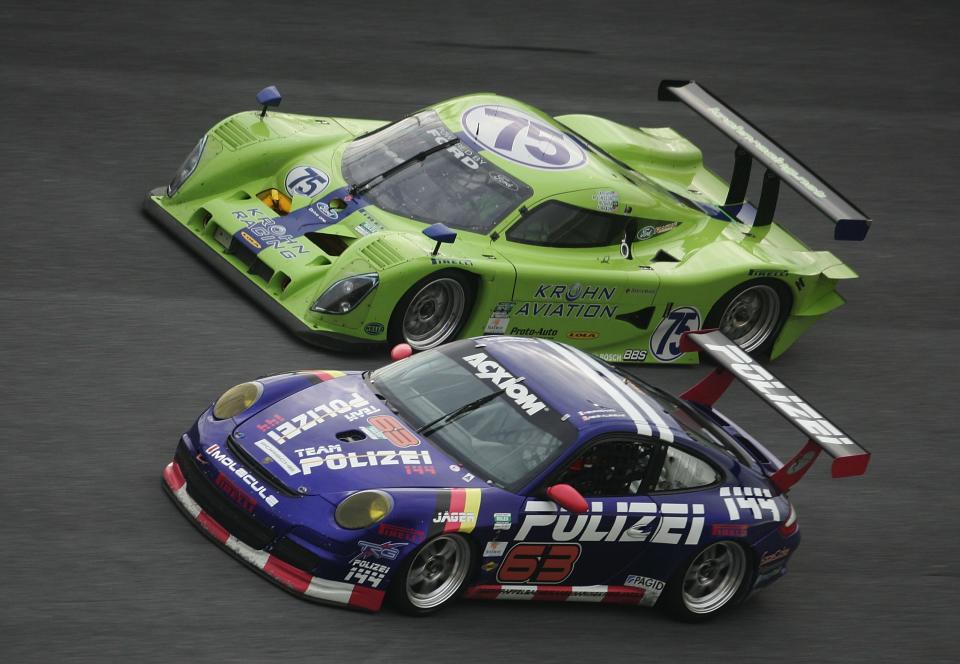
[[538, 563], [665, 342], [306, 181], [522, 138]]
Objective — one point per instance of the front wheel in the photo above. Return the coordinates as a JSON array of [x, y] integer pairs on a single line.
[[433, 311], [715, 579], [752, 314], [433, 576]]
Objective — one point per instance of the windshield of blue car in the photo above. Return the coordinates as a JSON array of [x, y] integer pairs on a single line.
[[493, 437], [455, 186]]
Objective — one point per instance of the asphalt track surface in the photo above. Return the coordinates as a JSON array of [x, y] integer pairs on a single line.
[[114, 337]]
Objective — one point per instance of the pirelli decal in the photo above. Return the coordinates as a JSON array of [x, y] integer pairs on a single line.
[[457, 511]]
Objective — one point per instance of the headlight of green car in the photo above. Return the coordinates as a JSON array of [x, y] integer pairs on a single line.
[[186, 170], [343, 296]]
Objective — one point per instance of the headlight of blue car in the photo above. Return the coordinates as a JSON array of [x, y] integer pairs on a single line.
[[187, 169], [343, 296]]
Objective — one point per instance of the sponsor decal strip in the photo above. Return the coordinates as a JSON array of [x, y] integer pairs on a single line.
[[601, 594], [643, 424], [457, 511], [292, 577], [650, 410]]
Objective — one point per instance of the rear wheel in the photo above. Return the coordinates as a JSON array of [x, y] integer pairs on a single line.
[[433, 576], [433, 311], [715, 579], [752, 314]]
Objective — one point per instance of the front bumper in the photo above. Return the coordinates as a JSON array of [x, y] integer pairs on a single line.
[[324, 339], [292, 579]]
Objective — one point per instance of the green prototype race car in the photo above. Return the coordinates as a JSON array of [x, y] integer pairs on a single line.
[[483, 215]]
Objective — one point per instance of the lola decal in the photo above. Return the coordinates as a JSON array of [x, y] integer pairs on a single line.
[[667, 523], [365, 459], [512, 386], [522, 138], [750, 502], [242, 474], [665, 341], [539, 563]]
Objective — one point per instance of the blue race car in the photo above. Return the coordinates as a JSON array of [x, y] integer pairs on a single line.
[[502, 468]]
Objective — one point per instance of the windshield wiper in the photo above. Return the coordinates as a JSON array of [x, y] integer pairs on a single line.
[[444, 420], [364, 187]]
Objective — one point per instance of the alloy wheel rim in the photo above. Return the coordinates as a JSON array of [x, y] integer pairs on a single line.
[[714, 577], [437, 572], [434, 313], [751, 317]]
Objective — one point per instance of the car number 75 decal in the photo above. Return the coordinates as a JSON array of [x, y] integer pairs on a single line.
[[521, 137], [538, 563]]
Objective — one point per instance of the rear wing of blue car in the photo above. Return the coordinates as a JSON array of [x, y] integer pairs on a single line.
[[849, 458], [753, 144]]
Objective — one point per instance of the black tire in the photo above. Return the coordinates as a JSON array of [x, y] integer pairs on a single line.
[[450, 284], [415, 593], [772, 293], [681, 603]]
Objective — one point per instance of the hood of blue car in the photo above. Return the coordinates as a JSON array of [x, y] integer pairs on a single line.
[[337, 436]]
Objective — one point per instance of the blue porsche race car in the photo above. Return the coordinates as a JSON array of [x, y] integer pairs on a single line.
[[502, 468]]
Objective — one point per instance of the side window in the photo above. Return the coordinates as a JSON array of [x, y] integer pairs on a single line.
[[555, 224], [684, 471], [610, 468]]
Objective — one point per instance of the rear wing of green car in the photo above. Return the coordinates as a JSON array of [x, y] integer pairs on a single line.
[[849, 459], [851, 223]]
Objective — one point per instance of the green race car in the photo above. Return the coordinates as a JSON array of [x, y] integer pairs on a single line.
[[483, 215]]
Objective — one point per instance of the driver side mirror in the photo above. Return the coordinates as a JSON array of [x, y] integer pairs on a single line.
[[568, 498]]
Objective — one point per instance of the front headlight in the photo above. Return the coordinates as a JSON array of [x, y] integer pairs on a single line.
[[343, 296], [186, 170], [363, 509], [236, 400]]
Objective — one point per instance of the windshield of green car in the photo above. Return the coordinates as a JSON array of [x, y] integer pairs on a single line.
[[455, 186], [470, 419]]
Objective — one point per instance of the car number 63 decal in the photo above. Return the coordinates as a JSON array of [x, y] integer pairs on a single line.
[[522, 138], [538, 563]]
